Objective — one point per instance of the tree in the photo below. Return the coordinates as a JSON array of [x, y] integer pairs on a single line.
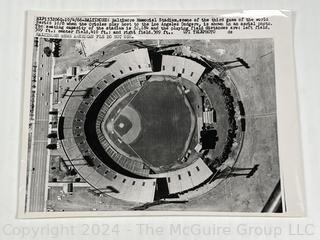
[[47, 51]]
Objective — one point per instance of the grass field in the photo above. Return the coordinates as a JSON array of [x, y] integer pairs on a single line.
[[165, 121]]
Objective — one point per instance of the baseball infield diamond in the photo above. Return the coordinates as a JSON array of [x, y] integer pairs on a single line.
[[128, 124]]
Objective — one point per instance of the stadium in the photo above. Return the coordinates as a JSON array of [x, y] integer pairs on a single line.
[[153, 123]]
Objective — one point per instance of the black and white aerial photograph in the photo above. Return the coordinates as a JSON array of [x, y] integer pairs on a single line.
[[153, 125]]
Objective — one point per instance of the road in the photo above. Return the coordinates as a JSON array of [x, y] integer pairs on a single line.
[[37, 180]]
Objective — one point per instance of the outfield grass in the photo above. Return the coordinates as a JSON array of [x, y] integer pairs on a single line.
[[165, 121]]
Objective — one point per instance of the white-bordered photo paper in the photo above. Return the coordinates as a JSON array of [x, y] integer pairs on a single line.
[[160, 113]]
